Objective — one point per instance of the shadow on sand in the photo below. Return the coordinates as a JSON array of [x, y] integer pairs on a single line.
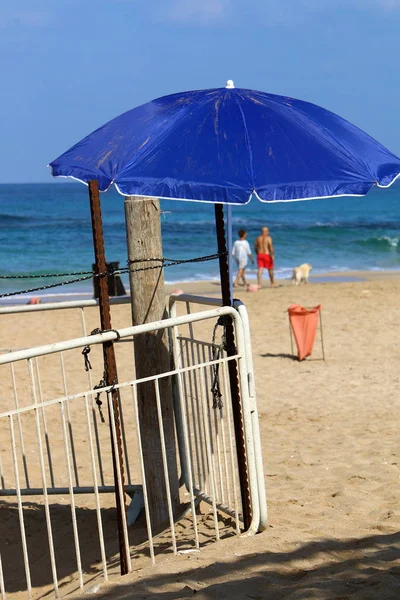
[[280, 355], [89, 545], [63, 539], [361, 568]]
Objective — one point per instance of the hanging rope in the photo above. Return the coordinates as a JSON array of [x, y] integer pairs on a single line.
[[169, 262], [85, 353], [217, 351], [88, 366], [86, 349], [164, 262], [49, 275], [45, 287], [101, 384]]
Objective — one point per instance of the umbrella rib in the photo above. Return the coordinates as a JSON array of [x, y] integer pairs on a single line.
[[248, 143]]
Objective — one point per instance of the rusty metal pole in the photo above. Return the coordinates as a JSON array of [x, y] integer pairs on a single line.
[[110, 365], [232, 367]]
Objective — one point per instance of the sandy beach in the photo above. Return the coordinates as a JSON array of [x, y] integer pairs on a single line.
[[174, 441], [330, 448]]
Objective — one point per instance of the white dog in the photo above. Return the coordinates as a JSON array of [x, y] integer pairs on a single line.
[[301, 274]]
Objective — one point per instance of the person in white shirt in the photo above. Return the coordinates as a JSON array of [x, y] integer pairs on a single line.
[[241, 253]]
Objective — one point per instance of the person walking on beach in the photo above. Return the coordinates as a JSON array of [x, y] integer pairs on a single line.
[[241, 252], [265, 255]]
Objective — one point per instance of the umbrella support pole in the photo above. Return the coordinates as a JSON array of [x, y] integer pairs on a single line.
[[110, 370], [232, 367]]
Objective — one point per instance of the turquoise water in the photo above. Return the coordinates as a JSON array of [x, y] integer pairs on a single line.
[[45, 228]]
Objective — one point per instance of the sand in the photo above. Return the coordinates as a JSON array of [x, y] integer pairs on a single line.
[[330, 448]]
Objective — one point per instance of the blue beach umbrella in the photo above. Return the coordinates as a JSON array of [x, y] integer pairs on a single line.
[[227, 144], [223, 146]]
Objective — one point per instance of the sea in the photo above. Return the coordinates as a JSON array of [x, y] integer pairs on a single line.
[[46, 229]]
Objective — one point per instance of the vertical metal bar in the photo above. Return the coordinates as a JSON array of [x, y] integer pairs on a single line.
[[233, 369], [165, 465], [71, 496], [71, 435], [196, 421], [98, 445], [83, 322], [202, 423], [210, 419], [202, 432], [249, 433], [176, 364], [188, 312], [43, 414], [185, 439], [20, 511], [254, 416], [43, 474], [110, 366], [290, 335], [322, 335], [143, 472], [126, 462], [2, 587], [3, 483], [183, 399], [216, 414], [223, 259], [120, 486], [230, 246], [209, 452], [196, 415], [188, 451], [224, 451], [96, 491], [94, 411], [232, 454], [176, 350], [20, 433]]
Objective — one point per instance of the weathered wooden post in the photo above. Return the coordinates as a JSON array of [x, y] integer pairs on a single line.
[[143, 230]]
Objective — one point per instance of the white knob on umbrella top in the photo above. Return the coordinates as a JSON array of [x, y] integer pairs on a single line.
[[229, 84]]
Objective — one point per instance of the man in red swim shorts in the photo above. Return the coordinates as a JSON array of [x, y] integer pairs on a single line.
[[265, 255]]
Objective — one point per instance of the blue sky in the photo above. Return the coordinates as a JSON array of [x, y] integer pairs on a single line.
[[68, 66]]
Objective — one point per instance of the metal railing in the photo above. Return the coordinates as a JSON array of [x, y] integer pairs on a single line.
[[56, 448], [80, 305], [63, 382], [189, 300]]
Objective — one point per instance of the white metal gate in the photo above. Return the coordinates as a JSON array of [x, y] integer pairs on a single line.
[[54, 448]]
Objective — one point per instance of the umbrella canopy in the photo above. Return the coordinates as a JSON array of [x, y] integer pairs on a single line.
[[223, 145]]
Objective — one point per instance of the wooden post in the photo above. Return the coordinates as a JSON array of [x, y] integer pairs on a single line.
[[110, 366], [232, 367], [152, 355]]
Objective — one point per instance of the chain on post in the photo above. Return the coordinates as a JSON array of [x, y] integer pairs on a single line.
[[102, 383]]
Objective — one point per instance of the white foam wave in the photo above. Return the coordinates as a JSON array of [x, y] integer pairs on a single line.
[[392, 241]]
